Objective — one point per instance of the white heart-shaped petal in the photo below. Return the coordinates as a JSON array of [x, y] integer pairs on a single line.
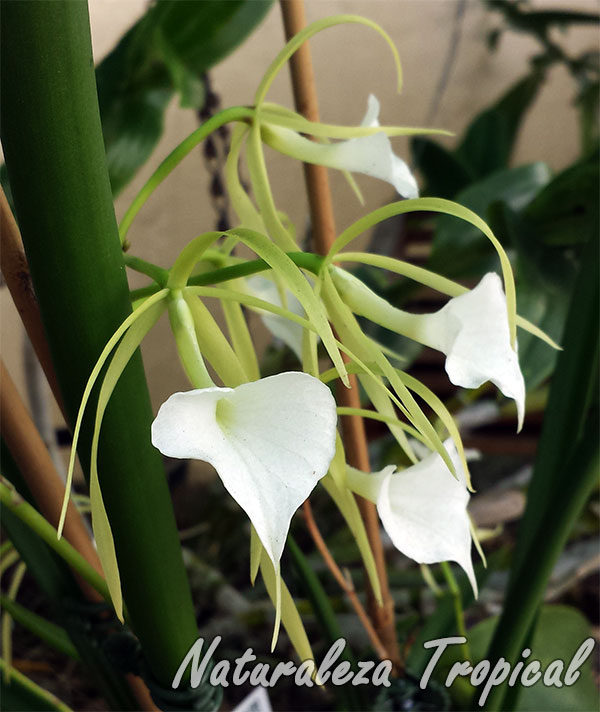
[[424, 511], [288, 331], [472, 330], [270, 441]]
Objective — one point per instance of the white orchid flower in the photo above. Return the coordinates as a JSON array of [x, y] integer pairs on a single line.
[[423, 509], [270, 442], [288, 331], [372, 155], [471, 329]]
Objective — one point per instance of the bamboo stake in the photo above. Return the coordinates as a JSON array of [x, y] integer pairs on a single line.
[[323, 227], [36, 466], [15, 271]]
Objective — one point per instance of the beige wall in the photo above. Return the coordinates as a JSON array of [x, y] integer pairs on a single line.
[[350, 62]]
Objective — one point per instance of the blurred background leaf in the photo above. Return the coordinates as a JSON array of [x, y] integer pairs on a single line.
[[559, 632], [166, 52]]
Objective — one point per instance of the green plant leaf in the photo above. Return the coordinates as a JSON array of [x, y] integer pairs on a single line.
[[203, 32], [563, 210], [21, 694], [559, 631], [566, 468], [46, 630], [588, 103], [490, 138], [445, 172], [545, 276], [76, 275], [539, 22], [458, 248], [166, 51]]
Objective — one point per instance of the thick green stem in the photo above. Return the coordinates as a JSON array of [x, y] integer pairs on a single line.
[[54, 152], [158, 274]]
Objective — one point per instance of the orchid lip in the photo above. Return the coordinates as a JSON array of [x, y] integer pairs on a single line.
[[371, 155], [423, 509], [471, 329], [270, 442]]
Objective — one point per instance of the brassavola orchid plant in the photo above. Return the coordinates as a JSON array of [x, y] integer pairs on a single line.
[[273, 440]]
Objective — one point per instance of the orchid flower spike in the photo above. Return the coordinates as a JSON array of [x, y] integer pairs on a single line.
[[471, 329], [270, 442], [372, 155], [423, 509]]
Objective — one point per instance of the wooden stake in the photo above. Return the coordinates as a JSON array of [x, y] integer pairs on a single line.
[[15, 270], [35, 464], [324, 233]]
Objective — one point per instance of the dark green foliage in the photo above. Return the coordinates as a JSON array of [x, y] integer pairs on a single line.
[[485, 148], [165, 53], [566, 468]]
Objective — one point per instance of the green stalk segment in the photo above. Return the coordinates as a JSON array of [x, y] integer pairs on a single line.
[[54, 152]]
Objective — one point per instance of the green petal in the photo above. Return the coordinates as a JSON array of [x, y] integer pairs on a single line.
[[214, 346], [298, 123], [443, 414], [100, 523], [290, 617], [296, 282], [241, 338], [298, 40], [345, 502], [447, 207], [113, 341], [240, 200], [350, 332], [262, 191], [184, 331], [256, 549]]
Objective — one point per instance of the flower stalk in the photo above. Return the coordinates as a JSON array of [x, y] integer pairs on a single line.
[[323, 226]]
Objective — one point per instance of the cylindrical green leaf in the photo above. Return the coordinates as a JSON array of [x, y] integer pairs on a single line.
[[54, 153]]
